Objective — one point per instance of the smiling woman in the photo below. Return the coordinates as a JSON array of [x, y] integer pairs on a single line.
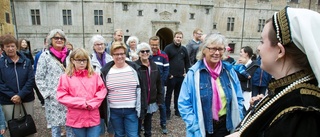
[[52, 63], [210, 100], [126, 96]]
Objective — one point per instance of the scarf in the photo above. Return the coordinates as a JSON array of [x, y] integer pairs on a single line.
[[216, 101], [81, 73], [61, 55], [102, 59]]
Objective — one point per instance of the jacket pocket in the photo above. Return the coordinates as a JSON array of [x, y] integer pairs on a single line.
[[204, 90]]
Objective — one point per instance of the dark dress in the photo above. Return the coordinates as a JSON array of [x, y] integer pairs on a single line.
[[291, 110]]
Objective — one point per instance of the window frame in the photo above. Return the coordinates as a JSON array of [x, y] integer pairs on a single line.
[[35, 16], [230, 23], [67, 17], [98, 17]]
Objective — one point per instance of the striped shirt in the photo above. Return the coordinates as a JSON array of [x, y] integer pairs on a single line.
[[122, 85]]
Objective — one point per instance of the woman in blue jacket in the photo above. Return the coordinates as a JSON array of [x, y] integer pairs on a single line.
[[210, 100], [16, 79]]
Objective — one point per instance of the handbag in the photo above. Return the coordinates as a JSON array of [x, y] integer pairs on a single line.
[[22, 126]]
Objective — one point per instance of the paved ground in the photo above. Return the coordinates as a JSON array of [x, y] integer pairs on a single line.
[[175, 126]]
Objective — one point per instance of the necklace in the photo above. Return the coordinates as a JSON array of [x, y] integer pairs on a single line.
[[269, 103]]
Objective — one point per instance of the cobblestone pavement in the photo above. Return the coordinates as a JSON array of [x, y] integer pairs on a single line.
[[175, 126]]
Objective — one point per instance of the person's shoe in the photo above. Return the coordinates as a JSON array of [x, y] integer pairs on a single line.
[[164, 129], [168, 117]]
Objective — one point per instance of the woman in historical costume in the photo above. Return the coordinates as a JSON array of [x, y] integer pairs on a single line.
[[289, 51]]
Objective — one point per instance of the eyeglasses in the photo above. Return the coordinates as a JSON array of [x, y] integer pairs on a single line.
[[144, 51], [119, 54], [81, 60], [99, 44], [215, 49], [57, 38], [200, 34]]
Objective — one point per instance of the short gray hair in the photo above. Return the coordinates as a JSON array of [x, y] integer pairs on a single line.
[[142, 46], [132, 38], [96, 38], [212, 38], [54, 32]]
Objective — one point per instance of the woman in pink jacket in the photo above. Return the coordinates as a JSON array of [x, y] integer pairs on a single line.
[[81, 90]]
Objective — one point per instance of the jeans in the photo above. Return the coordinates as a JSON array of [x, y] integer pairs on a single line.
[[124, 122], [173, 84], [87, 131], [147, 123], [56, 131], [219, 131], [102, 127], [162, 109], [256, 90]]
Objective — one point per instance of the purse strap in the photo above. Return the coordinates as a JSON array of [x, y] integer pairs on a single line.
[[24, 110]]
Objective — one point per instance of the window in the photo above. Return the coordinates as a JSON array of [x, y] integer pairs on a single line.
[[214, 26], [261, 24], [109, 20], [35, 17], [125, 7], [191, 15], [98, 17], [230, 24], [7, 17], [318, 2], [232, 45], [207, 10], [67, 19], [140, 13]]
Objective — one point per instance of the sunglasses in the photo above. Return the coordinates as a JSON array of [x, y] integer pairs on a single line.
[[144, 51], [57, 38]]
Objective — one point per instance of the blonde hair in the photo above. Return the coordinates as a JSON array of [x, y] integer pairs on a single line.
[[118, 45], [77, 54]]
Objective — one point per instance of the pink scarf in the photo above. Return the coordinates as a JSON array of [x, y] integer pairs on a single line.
[[216, 101], [59, 54]]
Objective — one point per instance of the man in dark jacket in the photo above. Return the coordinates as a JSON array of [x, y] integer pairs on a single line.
[[179, 65]]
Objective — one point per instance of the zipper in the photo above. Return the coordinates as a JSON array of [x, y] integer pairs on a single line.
[[17, 77]]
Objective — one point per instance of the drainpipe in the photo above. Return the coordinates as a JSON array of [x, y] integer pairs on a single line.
[[244, 16], [83, 24], [14, 19]]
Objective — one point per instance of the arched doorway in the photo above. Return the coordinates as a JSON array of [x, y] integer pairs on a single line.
[[166, 37]]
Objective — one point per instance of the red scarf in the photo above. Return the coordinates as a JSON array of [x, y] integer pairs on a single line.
[[81, 73], [216, 101], [61, 55]]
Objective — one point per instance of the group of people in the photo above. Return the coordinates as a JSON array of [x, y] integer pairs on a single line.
[[121, 85]]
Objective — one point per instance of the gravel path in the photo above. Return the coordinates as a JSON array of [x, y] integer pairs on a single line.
[[175, 126]]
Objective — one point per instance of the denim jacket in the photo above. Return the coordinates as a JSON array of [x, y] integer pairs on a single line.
[[195, 99]]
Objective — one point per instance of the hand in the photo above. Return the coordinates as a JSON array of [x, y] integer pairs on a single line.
[[184, 74], [2, 131], [256, 98], [16, 99]]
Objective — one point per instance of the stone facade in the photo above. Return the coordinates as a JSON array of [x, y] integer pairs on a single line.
[[6, 21], [145, 18]]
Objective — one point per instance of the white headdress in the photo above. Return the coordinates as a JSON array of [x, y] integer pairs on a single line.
[[302, 27]]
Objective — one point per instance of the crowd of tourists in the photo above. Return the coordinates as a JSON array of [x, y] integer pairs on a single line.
[[117, 86]]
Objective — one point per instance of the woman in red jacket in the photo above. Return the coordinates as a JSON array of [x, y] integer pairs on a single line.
[[81, 90]]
